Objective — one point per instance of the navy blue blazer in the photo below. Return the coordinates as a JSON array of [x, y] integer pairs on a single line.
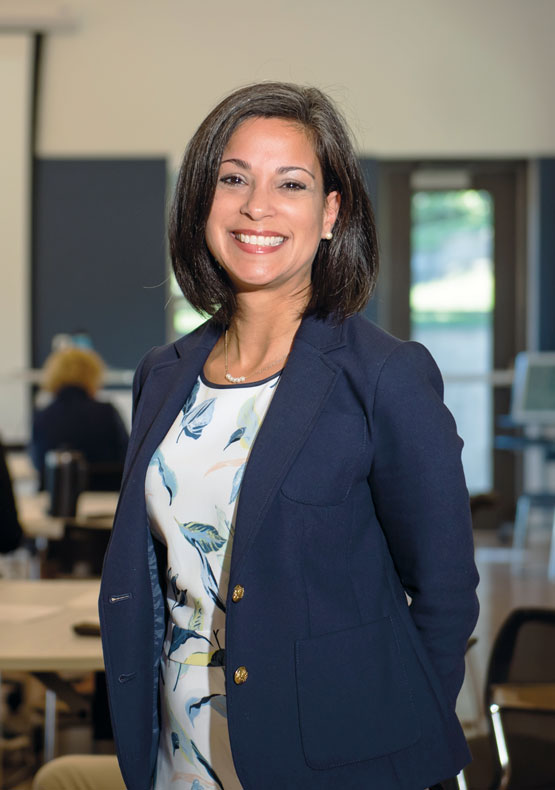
[[353, 498]]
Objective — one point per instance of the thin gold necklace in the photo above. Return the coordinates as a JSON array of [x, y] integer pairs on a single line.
[[241, 379]]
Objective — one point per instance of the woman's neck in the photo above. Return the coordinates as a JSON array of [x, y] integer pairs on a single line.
[[259, 339]]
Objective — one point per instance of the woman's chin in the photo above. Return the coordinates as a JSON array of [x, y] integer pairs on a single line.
[[264, 280]]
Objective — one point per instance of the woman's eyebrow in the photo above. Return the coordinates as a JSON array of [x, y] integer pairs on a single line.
[[238, 162], [280, 170], [288, 169]]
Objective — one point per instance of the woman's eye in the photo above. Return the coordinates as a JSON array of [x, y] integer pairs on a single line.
[[293, 185], [232, 180]]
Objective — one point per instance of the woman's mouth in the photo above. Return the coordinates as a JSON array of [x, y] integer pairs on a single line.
[[258, 242]]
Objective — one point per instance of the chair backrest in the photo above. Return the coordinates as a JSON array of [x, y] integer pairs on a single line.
[[524, 652], [524, 649]]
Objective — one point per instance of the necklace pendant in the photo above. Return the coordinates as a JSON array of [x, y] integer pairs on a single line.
[[234, 379]]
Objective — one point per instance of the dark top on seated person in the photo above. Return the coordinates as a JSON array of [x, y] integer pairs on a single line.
[[76, 420]]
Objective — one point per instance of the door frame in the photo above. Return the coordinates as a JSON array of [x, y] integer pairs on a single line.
[[506, 180]]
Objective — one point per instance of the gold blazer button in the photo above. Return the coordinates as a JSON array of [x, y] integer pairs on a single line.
[[240, 675], [237, 594]]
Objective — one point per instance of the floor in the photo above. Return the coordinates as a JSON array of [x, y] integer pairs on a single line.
[[502, 588]]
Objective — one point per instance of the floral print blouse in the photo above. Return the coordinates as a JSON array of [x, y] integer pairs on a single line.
[[192, 487]]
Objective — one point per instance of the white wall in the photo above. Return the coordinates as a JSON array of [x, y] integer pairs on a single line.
[[15, 297], [435, 78], [415, 77]]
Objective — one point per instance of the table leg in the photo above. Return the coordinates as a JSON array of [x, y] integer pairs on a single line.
[[522, 515], [57, 687], [49, 725]]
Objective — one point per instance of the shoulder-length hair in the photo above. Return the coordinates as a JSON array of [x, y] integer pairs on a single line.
[[73, 367], [345, 268]]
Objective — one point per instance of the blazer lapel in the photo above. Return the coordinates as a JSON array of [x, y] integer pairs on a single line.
[[305, 385], [164, 392], [306, 382]]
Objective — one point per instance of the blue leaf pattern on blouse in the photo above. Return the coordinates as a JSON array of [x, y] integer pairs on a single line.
[[187, 746], [180, 596], [208, 581], [196, 418], [237, 478], [248, 419], [211, 772], [189, 403], [168, 477], [215, 701], [205, 536], [235, 436], [181, 635]]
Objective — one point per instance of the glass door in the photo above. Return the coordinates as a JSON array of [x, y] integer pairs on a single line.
[[451, 310], [453, 278]]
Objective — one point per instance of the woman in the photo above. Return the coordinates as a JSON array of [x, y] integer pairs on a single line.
[[76, 420], [292, 476]]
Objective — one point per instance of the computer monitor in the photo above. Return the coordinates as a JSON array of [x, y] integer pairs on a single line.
[[533, 397]]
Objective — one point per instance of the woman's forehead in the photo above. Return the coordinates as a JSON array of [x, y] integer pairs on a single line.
[[272, 138]]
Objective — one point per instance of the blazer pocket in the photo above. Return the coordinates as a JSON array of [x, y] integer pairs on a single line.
[[354, 700], [323, 471]]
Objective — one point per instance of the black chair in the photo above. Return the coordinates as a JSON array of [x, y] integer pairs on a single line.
[[519, 751]]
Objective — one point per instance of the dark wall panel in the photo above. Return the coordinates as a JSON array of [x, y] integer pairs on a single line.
[[99, 255]]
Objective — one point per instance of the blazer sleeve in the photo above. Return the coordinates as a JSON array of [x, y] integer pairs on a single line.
[[422, 503]]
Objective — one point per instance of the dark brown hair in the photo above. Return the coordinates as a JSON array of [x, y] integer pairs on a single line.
[[344, 270]]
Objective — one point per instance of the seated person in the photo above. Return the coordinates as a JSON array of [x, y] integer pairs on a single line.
[[75, 420], [10, 529]]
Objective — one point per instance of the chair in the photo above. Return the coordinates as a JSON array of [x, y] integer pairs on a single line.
[[519, 751]]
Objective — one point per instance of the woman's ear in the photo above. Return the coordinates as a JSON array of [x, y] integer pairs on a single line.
[[331, 210]]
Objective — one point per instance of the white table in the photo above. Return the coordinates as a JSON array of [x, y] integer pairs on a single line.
[[95, 509], [36, 635], [21, 467]]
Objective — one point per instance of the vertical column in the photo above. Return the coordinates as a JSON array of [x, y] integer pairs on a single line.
[[16, 77]]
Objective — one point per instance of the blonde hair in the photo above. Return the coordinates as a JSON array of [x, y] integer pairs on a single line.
[[73, 367]]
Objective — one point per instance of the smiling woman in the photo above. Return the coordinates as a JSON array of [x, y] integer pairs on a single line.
[[270, 203], [292, 476], [344, 268]]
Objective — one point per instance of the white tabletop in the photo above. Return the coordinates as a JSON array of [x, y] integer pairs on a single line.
[[36, 619], [95, 509], [21, 467]]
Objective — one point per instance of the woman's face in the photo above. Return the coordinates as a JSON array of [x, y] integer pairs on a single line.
[[269, 211]]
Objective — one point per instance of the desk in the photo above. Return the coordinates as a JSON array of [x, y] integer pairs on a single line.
[[543, 498], [36, 619], [21, 467], [95, 509]]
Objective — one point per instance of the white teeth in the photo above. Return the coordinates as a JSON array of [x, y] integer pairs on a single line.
[[260, 241]]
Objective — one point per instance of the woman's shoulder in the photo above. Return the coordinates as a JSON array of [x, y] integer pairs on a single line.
[[170, 352], [371, 338], [382, 357], [206, 335]]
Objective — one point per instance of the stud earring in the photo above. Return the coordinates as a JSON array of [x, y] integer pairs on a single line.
[[329, 235]]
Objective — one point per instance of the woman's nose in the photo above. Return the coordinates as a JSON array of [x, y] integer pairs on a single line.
[[258, 204]]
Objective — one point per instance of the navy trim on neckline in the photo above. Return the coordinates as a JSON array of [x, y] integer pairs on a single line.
[[244, 385]]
